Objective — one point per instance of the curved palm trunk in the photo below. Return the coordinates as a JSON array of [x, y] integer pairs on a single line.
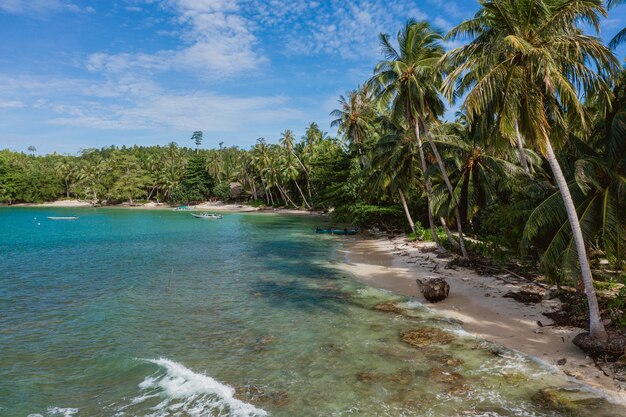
[[302, 194], [406, 210], [429, 191], [444, 174], [306, 174], [596, 328], [451, 238], [520, 150]]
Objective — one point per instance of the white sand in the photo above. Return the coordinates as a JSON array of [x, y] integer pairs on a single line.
[[477, 302]]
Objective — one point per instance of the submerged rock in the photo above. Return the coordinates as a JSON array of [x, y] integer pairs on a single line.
[[568, 400], [388, 307], [434, 289], [426, 336], [257, 394], [612, 349], [443, 376], [367, 376]]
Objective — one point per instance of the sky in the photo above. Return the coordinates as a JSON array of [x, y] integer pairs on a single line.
[[83, 74]]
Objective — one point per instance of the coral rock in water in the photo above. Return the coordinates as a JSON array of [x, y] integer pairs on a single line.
[[426, 336]]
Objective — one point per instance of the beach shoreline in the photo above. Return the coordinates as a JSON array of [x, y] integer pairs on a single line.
[[477, 302], [206, 206]]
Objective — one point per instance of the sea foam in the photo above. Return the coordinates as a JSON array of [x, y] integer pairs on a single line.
[[184, 392]]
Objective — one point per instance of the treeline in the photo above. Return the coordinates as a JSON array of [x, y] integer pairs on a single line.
[[534, 164], [295, 173]]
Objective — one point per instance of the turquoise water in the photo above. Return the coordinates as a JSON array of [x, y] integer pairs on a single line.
[[155, 313]]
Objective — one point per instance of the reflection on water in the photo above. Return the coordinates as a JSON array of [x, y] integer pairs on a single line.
[[155, 313]]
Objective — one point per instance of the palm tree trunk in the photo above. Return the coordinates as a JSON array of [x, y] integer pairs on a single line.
[[451, 238], [406, 210], [302, 194], [596, 327], [444, 174], [306, 174], [286, 196], [429, 191], [67, 189], [520, 150]]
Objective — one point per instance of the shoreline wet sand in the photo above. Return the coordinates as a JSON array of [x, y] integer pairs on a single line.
[[477, 301]]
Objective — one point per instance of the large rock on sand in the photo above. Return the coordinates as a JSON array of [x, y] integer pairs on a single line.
[[613, 348], [434, 289]]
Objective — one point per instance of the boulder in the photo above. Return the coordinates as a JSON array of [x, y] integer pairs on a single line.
[[434, 289], [614, 348]]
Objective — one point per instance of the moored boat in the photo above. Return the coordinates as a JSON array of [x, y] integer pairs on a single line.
[[207, 216], [332, 231], [62, 217]]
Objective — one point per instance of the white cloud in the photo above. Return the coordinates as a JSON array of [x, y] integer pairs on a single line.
[[41, 7], [136, 104], [11, 104], [216, 43]]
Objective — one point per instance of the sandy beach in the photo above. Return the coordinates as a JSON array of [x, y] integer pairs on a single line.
[[206, 206], [477, 301]]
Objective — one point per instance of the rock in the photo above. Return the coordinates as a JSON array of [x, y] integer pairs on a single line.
[[434, 289], [561, 362], [388, 307], [258, 395], [440, 375], [568, 400], [426, 336], [612, 349], [367, 376]]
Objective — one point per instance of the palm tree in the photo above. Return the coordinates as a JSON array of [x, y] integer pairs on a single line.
[[409, 80], [597, 179], [354, 118], [528, 63], [395, 165], [287, 139], [621, 36]]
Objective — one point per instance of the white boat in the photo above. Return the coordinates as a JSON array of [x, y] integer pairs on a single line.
[[62, 217], [207, 216]]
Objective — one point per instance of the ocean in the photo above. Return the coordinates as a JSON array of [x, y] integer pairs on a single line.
[[155, 313]]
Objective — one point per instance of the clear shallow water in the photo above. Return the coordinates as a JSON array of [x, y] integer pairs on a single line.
[[155, 313]]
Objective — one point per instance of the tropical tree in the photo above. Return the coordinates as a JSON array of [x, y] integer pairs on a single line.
[[395, 166], [621, 35], [354, 119], [527, 63], [408, 80]]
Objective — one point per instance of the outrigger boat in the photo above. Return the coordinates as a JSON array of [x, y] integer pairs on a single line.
[[63, 218], [207, 216]]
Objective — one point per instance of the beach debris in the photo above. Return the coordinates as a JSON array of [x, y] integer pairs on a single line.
[[612, 349], [434, 289], [526, 297], [426, 336], [388, 307]]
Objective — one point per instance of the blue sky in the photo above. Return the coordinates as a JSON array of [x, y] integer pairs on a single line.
[[79, 74]]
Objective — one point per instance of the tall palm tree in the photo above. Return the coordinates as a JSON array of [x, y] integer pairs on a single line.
[[354, 118], [621, 35], [409, 80], [287, 140], [528, 63], [395, 165]]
